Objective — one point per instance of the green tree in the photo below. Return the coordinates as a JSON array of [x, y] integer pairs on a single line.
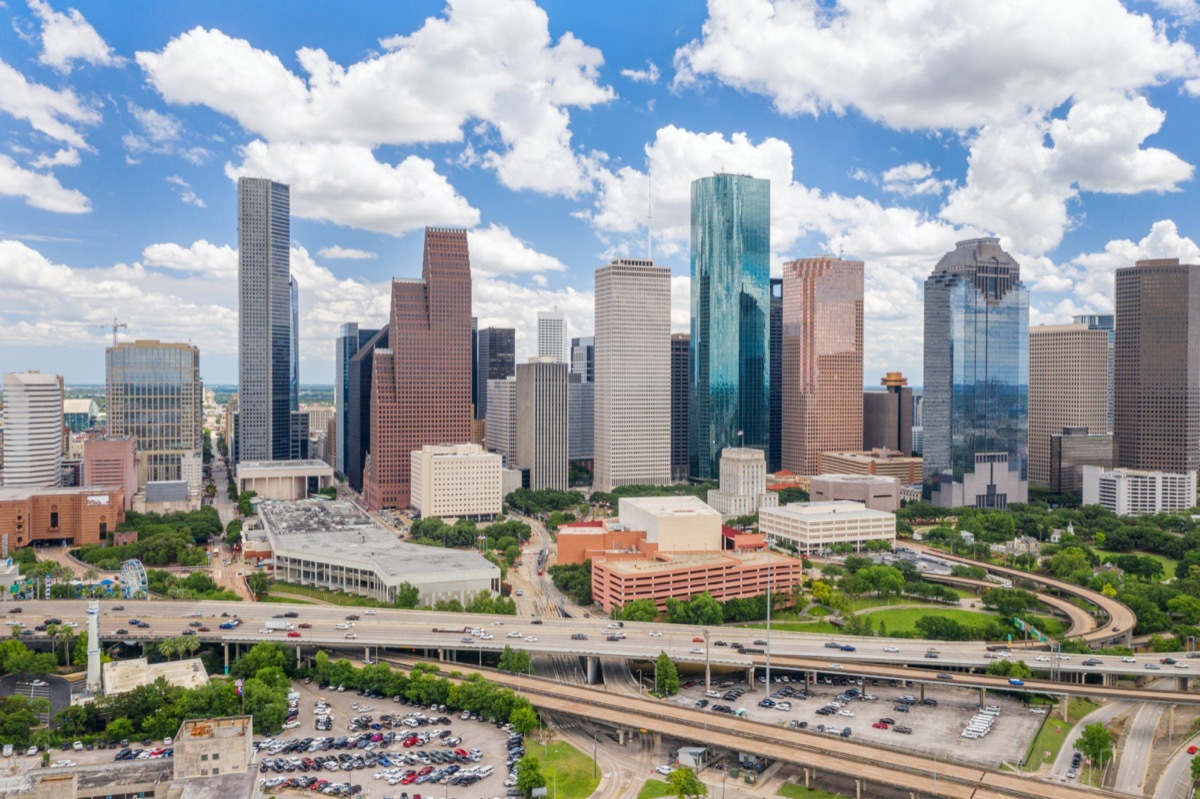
[[524, 719], [233, 532], [408, 596], [266, 654], [1096, 742], [666, 676], [266, 702], [1009, 668], [119, 729], [1195, 773], [638, 610], [529, 773], [685, 783], [258, 583], [703, 610], [514, 661]]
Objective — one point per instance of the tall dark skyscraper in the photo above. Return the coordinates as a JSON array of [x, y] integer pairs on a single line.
[[1156, 422], [496, 359], [976, 402], [358, 406], [888, 416], [349, 342], [775, 445], [681, 357], [421, 388], [730, 364], [268, 371]]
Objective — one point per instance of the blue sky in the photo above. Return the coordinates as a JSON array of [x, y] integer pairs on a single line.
[[888, 130]]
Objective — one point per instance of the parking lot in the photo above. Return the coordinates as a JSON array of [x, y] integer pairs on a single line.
[[935, 728], [480, 745]]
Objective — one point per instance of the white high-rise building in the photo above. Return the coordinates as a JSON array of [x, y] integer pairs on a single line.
[[633, 374], [456, 480], [502, 419], [552, 335], [1134, 492], [743, 488], [33, 430]]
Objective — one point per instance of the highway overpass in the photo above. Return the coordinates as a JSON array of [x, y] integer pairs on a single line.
[[435, 631]]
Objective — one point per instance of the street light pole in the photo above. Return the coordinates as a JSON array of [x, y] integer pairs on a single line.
[[767, 687], [707, 670]]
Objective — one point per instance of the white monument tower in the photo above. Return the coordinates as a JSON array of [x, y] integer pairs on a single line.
[[93, 652]]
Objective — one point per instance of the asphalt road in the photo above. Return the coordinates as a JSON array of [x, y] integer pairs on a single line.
[[1135, 748]]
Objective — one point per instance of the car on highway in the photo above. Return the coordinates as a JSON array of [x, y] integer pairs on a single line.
[[848, 648], [1014, 681], [514, 634], [655, 634], [1042, 659], [536, 621], [203, 629], [195, 624], [723, 643], [351, 635], [932, 655], [944, 676], [879, 725], [697, 650], [834, 665], [759, 642], [832, 645], [305, 626], [294, 634], [1092, 662], [122, 632], [266, 631], [1153, 667], [697, 640], [1191, 750], [1128, 659], [352, 617], [1167, 661], [578, 637], [891, 649], [189, 632], [1180, 665], [114, 607], [532, 639]]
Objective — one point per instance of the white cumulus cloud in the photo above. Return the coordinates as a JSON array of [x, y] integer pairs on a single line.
[[648, 75], [69, 37], [346, 253], [40, 190], [56, 113]]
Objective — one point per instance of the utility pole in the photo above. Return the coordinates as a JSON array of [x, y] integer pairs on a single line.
[[767, 687]]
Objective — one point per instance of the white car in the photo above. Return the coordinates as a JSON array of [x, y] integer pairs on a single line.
[[371, 612], [834, 665], [1128, 659], [655, 634], [514, 634], [266, 631], [891, 649], [664, 770], [486, 636], [845, 712], [1063, 657], [1181, 665], [697, 650], [532, 639], [1042, 659]]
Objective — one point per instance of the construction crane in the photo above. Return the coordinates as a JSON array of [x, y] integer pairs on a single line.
[[116, 323]]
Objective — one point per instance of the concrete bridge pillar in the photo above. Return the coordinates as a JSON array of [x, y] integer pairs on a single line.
[[858, 789], [593, 670], [922, 692], [297, 655], [1063, 703], [1110, 680], [808, 773], [750, 677], [620, 736], [1181, 683], [225, 645], [982, 697]]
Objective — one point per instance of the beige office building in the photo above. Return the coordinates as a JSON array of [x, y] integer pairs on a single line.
[[501, 429], [633, 374], [813, 527], [822, 360], [1068, 388], [456, 480], [542, 446]]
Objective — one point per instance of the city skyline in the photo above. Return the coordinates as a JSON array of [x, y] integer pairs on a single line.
[[125, 116]]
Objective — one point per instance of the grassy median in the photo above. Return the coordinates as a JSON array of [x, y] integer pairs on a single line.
[[1049, 740], [565, 766]]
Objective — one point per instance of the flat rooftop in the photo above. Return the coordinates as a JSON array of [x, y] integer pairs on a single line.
[[681, 560], [827, 511], [340, 531], [873, 456], [685, 506], [876, 479], [25, 492], [312, 464], [227, 727], [121, 676]]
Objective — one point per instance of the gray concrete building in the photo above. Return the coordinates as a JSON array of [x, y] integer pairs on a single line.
[[887, 416], [502, 419], [581, 419]]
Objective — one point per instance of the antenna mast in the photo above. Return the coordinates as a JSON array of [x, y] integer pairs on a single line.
[[649, 213]]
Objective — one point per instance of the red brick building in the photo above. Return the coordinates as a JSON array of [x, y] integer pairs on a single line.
[[421, 386], [82, 516]]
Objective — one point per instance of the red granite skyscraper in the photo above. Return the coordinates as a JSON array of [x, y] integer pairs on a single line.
[[421, 389]]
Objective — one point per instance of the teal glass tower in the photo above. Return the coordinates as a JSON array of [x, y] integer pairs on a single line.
[[976, 402], [729, 381]]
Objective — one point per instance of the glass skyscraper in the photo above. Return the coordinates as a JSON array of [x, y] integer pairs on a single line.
[[976, 392], [349, 342], [729, 383]]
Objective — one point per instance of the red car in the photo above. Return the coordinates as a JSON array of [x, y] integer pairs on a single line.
[[204, 629], [305, 626], [879, 725], [409, 778], [1192, 749], [294, 634]]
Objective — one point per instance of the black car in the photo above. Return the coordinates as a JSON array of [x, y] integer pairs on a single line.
[[760, 642], [578, 637], [901, 708], [887, 720], [118, 607], [536, 621]]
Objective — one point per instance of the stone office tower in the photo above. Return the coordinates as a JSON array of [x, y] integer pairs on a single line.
[[1156, 422], [421, 386]]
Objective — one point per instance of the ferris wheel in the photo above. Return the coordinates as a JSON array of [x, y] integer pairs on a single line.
[[133, 579]]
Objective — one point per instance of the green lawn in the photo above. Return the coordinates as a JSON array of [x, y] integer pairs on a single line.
[[1168, 564], [331, 597], [574, 769], [822, 627], [794, 791], [904, 620], [1050, 625], [818, 611], [653, 789], [285, 600], [1050, 737]]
